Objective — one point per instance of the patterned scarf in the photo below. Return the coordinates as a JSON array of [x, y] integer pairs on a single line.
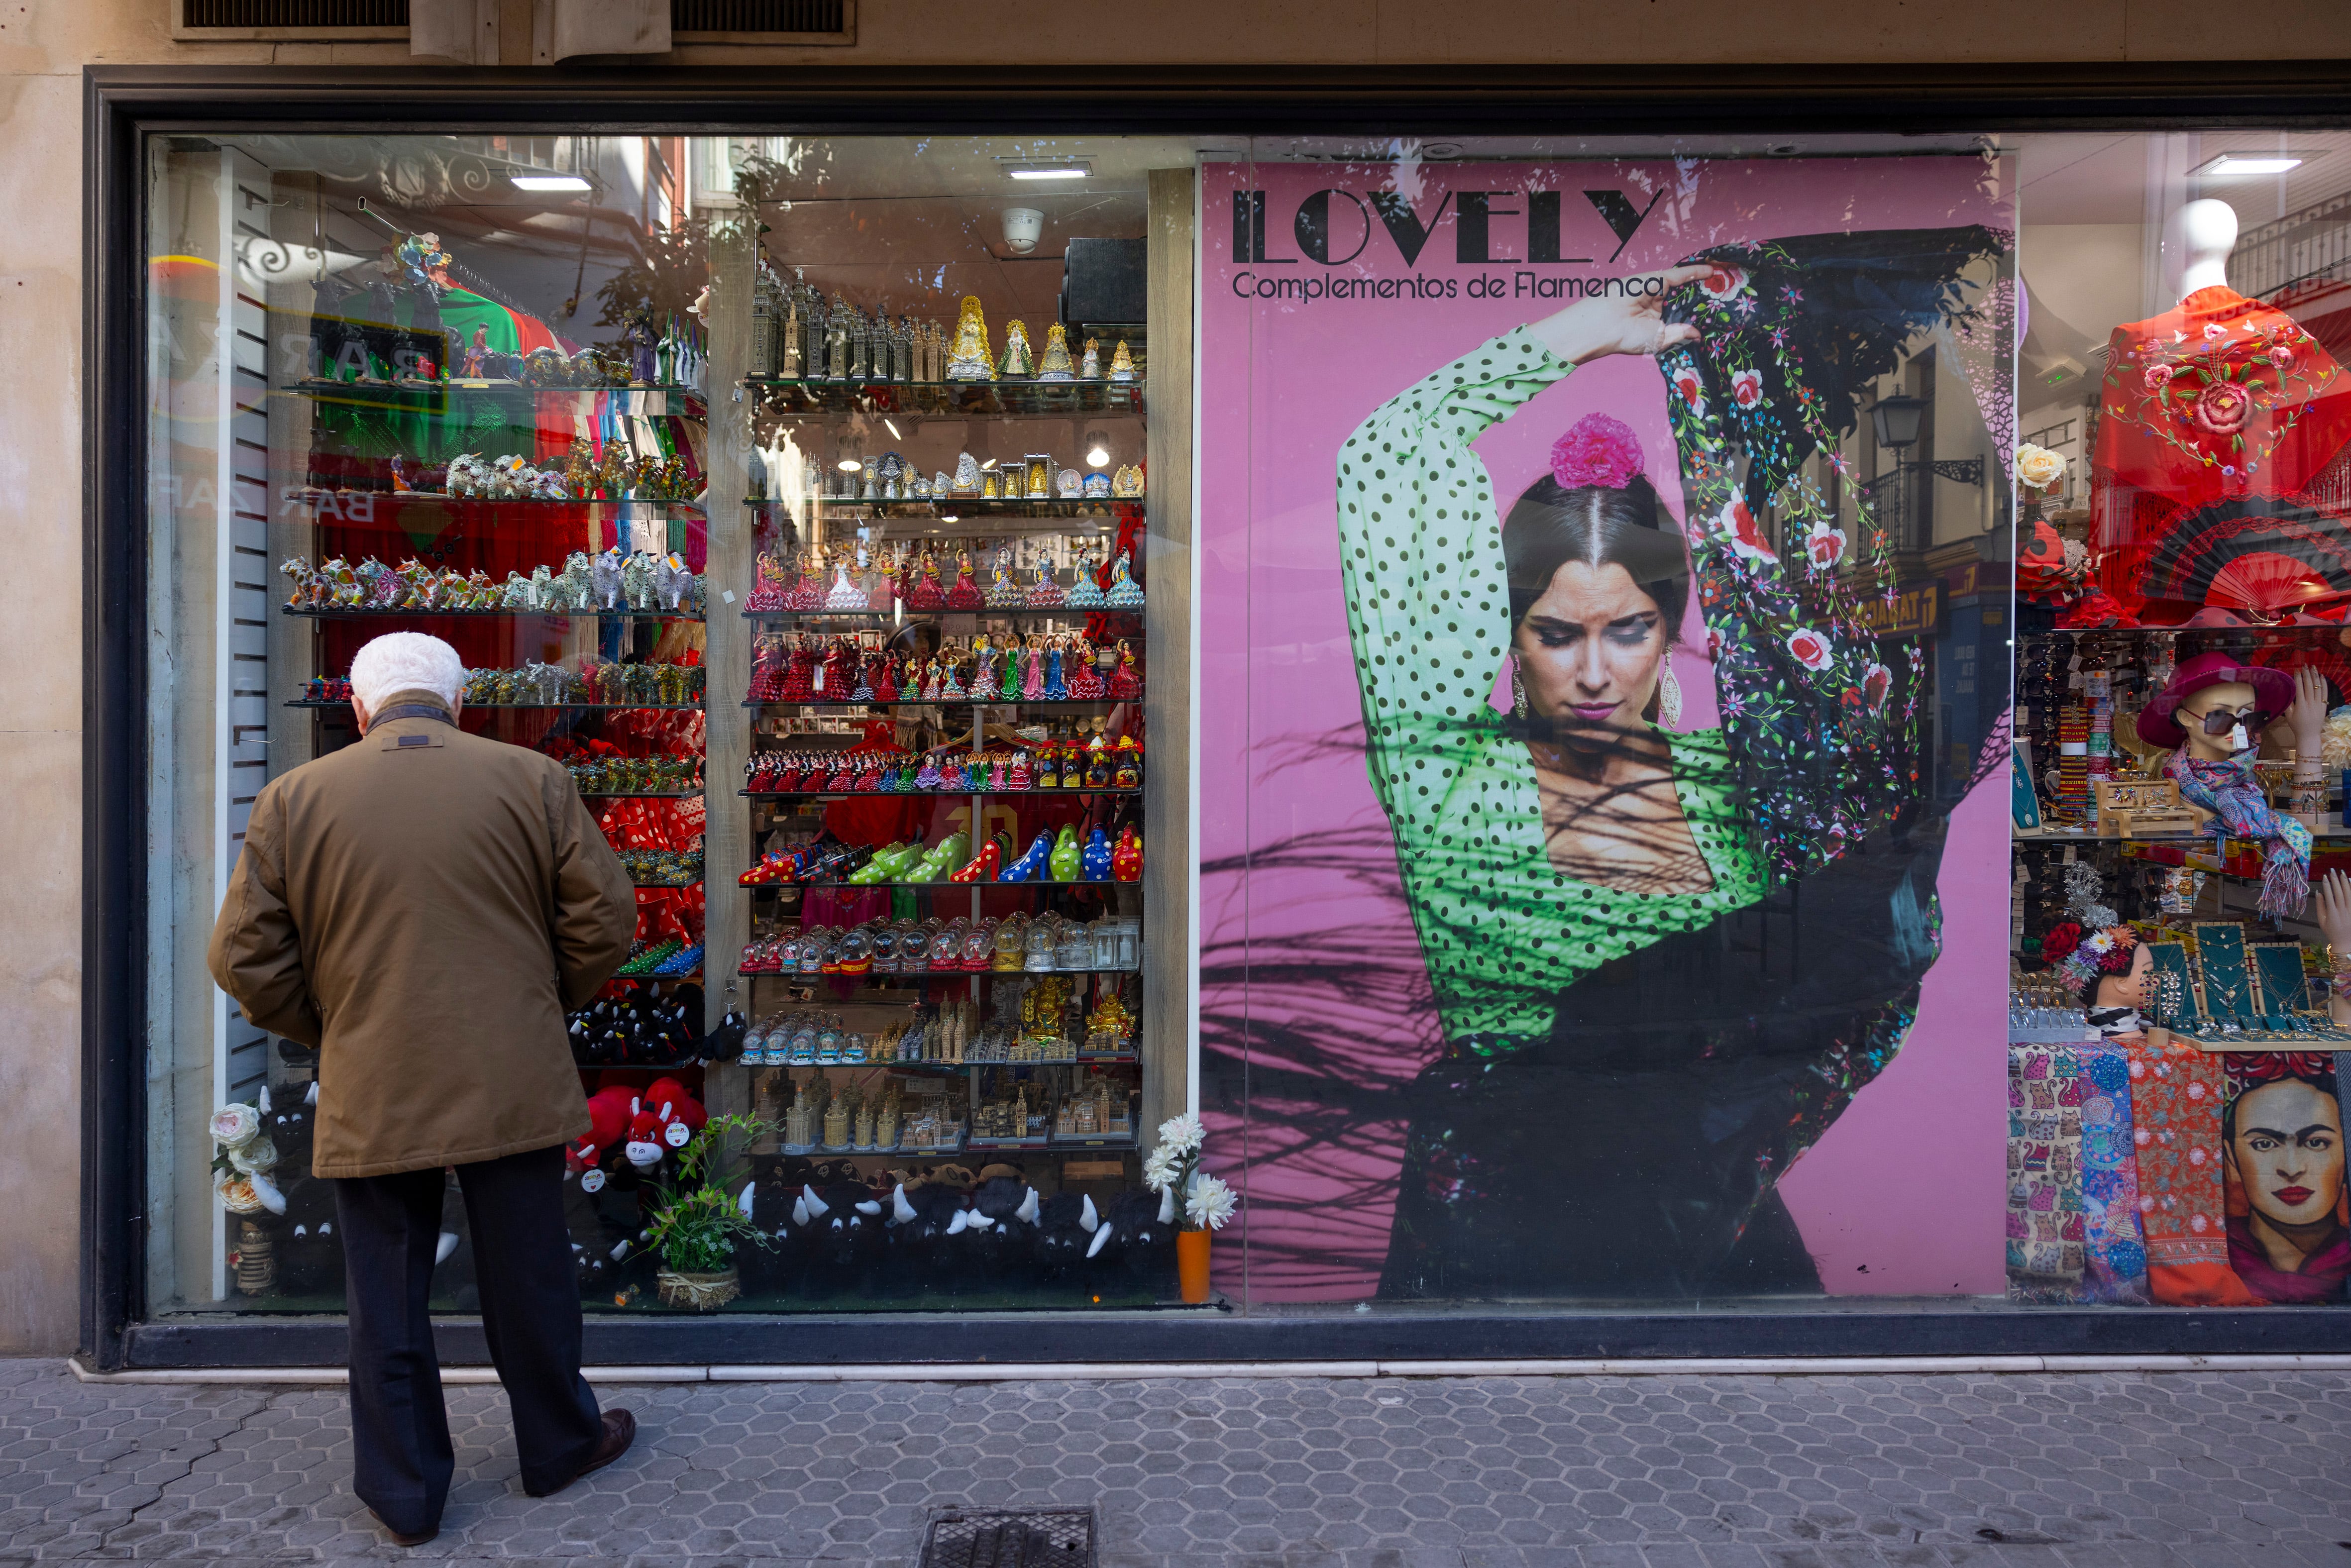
[[2228, 789]]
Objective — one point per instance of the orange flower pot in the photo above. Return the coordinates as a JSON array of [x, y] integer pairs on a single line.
[[1192, 1264]]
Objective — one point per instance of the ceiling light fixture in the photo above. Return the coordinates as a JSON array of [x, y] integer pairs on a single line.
[[2229, 163], [850, 465], [1097, 449], [548, 183], [1049, 170]]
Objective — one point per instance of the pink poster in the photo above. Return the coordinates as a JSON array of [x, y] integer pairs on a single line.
[[1602, 887]]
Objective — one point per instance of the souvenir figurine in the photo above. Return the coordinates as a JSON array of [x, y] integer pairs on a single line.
[[1017, 361], [1003, 593], [1095, 861], [1055, 366], [1085, 593], [1126, 860], [1010, 688], [1044, 593], [1124, 593], [1090, 367], [969, 360], [1121, 364], [967, 476], [924, 592], [1126, 764], [1097, 487], [1083, 674], [1032, 670], [1126, 485], [965, 594], [943, 486], [845, 594], [1039, 477], [1068, 484], [1126, 681], [1055, 690], [836, 341], [475, 365]]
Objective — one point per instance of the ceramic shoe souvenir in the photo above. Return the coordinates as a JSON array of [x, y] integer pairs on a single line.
[[1032, 865], [1055, 365], [984, 865], [1095, 861], [1066, 863], [1125, 593]]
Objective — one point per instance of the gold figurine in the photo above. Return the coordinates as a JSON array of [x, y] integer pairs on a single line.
[[969, 359]]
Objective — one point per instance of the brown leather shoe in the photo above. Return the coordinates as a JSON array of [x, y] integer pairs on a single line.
[[400, 1539], [620, 1431]]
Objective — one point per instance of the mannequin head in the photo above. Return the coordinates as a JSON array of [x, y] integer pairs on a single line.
[[2127, 989], [2229, 696], [2196, 245]]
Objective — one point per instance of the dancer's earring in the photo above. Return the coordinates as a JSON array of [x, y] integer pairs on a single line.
[[1669, 695], [1517, 690]]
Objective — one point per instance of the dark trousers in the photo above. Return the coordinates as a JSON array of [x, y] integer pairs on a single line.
[[401, 1458]]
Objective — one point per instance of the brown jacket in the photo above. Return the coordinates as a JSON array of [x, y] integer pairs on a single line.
[[424, 906]]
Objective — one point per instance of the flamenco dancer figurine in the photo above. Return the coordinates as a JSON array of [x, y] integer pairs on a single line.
[[1125, 593], [1055, 690], [846, 594], [1032, 670], [965, 594], [1085, 593], [925, 593], [809, 593], [1084, 678], [1003, 592], [1044, 593], [1126, 681]]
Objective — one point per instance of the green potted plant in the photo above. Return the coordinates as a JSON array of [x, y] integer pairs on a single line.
[[697, 1224]]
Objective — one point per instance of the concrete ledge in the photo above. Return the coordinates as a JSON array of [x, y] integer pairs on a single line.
[[1108, 1372]]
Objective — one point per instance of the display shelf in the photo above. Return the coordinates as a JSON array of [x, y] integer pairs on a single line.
[[781, 394], [638, 794], [347, 613], [928, 794], [2306, 625], [949, 702], [426, 397], [673, 1065], [526, 707], [877, 887], [682, 977], [964, 505], [316, 495], [662, 887], [2330, 826], [985, 612], [923, 977]]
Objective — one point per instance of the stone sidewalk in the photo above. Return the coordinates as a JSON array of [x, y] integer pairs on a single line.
[[2186, 1470]]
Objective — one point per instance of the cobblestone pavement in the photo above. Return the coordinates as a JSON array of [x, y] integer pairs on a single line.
[[2057, 1471]]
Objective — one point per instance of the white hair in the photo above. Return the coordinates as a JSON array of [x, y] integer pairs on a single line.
[[405, 662]]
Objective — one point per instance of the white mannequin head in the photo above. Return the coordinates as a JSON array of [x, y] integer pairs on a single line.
[[2197, 243]]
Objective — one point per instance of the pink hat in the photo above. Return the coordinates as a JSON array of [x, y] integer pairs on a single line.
[[2273, 694]]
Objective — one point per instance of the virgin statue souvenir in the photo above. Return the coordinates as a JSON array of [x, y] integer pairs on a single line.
[[969, 361], [967, 475], [1017, 361], [1090, 367], [1097, 487], [1121, 364], [1055, 364], [1068, 484], [1126, 485]]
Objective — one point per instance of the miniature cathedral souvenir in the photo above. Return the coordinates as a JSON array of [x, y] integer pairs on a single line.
[[1018, 361], [969, 361], [1055, 364]]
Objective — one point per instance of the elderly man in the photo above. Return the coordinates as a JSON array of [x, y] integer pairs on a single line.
[[424, 906]]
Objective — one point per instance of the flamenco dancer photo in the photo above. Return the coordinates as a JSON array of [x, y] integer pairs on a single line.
[[1665, 958]]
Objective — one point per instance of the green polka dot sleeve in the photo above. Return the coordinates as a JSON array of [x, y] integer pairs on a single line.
[[1501, 931], [1428, 598]]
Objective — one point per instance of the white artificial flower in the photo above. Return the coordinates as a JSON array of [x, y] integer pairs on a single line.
[[1159, 1170], [1182, 1133], [253, 1156], [2037, 467], [1210, 1203], [234, 1125]]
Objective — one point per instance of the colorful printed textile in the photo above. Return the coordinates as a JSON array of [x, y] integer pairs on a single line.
[[2230, 790], [2176, 1096], [2114, 1246], [2044, 1174]]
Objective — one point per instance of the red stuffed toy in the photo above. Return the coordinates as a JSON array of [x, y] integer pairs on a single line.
[[668, 1118], [608, 1117]]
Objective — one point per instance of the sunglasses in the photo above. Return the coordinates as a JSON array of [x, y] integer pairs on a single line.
[[2220, 721]]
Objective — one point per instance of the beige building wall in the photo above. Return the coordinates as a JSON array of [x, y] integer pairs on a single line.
[[46, 43]]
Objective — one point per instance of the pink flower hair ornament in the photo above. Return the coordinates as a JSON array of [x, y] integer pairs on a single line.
[[1596, 450]]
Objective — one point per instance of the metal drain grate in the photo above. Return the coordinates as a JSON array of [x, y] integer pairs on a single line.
[[1010, 1538]]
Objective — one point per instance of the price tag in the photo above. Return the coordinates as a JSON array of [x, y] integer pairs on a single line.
[[592, 1181]]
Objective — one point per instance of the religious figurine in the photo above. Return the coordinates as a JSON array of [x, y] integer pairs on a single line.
[[1055, 366], [969, 360], [1090, 367], [1126, 485], [1067, 484], [1017, 361], [968, 478], [1121, 364]]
